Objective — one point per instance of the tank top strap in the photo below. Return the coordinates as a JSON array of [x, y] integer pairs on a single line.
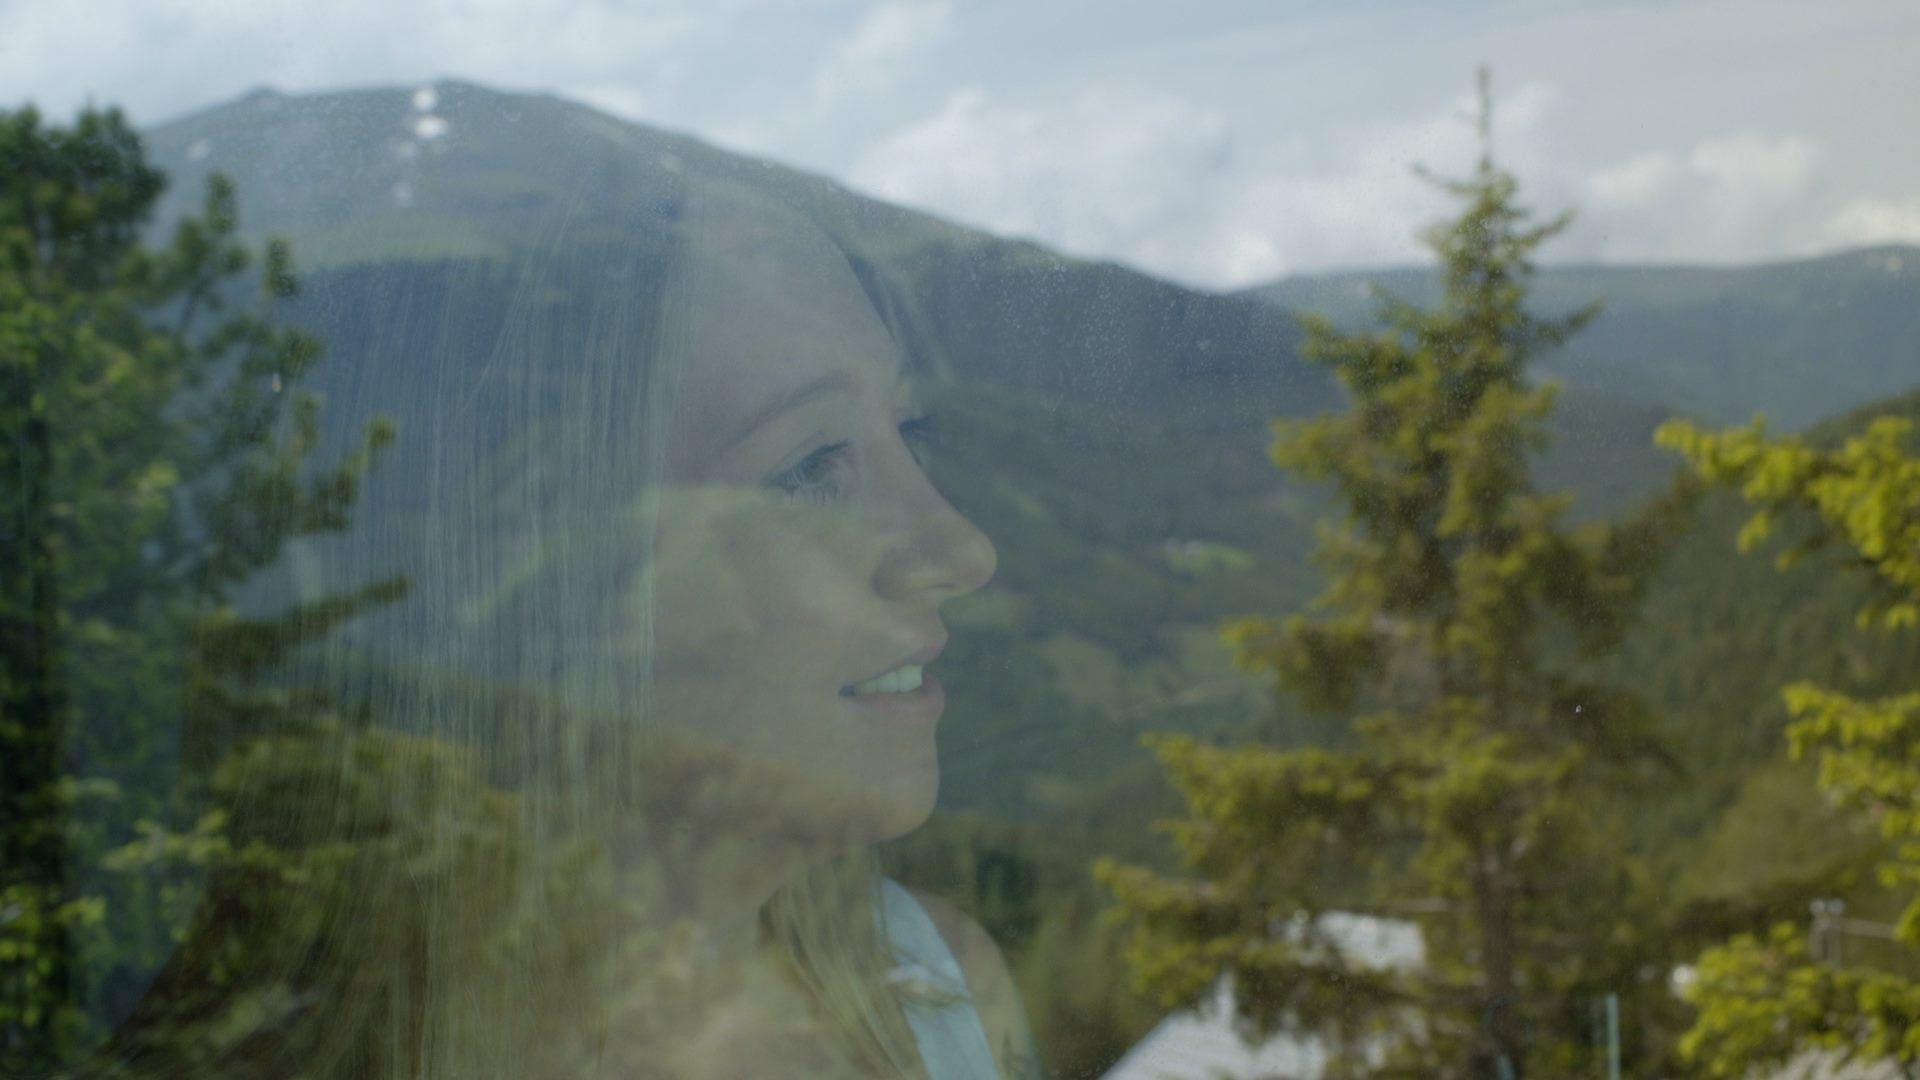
[[938, 1005]]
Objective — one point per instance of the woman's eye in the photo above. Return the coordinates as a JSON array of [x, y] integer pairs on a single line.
[[918, 434], [816, 478]]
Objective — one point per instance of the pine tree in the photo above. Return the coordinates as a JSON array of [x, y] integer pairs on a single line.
[[1762, 1001], [156, 457], [1469, 796]]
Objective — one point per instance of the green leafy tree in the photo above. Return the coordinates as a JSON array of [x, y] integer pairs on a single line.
[[1763, 1000], [1471, 794], [156, 458]]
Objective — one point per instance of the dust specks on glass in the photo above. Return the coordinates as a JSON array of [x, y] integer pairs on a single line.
[[926, 540]]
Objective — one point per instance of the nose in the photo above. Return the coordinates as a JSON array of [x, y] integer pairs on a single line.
[[939, 554]]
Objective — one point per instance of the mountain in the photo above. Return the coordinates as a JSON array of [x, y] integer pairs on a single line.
[[1745, 833], [1799, 341], [460, 172], [1107, 429]]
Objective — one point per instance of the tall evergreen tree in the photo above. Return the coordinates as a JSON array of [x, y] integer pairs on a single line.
[[1469, 797], [1762, 1001], [156, 457]]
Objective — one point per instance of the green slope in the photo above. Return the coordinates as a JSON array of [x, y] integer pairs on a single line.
[[1720, 635]]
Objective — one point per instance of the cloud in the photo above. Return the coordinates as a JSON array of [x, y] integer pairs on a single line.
[[1876, 221], [1153, 180], [1636, 182], [1738, 196], [1358, 200], [888, 37], [164, 57], [1236, 147], [1110, 171]]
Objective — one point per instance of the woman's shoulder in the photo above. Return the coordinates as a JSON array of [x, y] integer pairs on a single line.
[[990, 985], [980, 958]]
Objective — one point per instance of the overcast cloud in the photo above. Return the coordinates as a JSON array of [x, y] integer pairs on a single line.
[[1222, 144]]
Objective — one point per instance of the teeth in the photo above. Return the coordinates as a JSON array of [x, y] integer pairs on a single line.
[[904, 679]]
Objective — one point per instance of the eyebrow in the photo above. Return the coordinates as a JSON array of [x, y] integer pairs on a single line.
[[831, 383]]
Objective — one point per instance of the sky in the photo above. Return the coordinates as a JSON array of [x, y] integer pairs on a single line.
[[1219, 143]]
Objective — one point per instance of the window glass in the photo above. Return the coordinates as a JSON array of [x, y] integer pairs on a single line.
[[911, 539]]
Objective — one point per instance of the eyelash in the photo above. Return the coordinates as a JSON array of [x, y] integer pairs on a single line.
[[816, 478], [918, 432]]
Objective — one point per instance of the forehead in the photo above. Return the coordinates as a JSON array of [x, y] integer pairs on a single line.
[[770, 305]]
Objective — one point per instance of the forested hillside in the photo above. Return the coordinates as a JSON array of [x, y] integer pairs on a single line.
[[1745, 834]]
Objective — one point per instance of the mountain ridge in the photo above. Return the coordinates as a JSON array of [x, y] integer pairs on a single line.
[[458, 171], [1798, 339], [1396, 270]]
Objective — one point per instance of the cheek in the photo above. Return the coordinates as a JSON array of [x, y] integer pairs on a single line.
[[757, 600], [756, 618], [756, 613]]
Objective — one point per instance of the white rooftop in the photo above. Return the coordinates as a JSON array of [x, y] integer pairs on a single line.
[[1201, 1043]]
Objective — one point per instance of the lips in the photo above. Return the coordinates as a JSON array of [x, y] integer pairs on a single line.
[[906, 684], [901, 680]]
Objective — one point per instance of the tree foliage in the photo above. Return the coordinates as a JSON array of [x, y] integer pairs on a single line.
[[1763, 999], [157, 456], [1468, 797]]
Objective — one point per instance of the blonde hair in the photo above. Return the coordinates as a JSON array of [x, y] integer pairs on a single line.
[[436, 888]]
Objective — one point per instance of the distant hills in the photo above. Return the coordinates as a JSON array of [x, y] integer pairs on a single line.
[[1108, 429], [1800, 341]]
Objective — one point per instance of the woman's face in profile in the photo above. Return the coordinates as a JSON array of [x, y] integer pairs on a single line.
[[802, 554]]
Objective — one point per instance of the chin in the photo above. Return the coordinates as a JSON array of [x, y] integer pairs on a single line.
[[908, 804]]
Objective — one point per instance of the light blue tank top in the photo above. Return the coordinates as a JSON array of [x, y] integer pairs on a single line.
[[952, 1041]]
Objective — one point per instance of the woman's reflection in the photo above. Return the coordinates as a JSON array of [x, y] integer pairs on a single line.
[[800, 561], [665, 678]]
